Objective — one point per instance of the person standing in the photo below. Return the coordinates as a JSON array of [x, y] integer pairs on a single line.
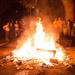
[[6, 29], [16, 28], [70, 26]]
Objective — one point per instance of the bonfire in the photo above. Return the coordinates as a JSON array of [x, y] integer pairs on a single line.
[[39, 47]]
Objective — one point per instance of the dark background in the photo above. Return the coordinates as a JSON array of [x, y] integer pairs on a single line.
[[16, 9], [13, 9]]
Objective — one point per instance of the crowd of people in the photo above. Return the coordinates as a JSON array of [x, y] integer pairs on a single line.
[[65, 28], [11, 30]]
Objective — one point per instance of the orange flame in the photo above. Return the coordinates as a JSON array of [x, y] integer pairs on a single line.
[[41, 50]]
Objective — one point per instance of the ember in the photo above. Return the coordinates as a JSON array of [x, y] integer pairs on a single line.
[[43, 48]]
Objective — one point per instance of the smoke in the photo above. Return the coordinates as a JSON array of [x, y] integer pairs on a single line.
[[41, 9]]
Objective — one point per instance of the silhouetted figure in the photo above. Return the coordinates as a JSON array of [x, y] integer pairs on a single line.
[[16, 29], [73, 30], [58, 25], [6, 29], [70, 26]]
